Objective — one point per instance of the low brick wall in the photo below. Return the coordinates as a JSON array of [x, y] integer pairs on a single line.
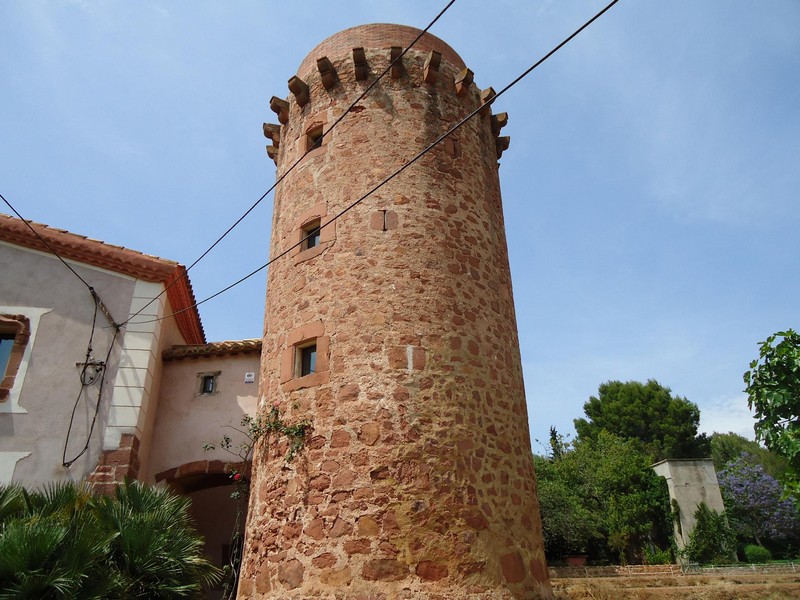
[[655, 570], [613, 571]]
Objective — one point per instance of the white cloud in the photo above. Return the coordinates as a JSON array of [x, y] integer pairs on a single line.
[[725, 414]]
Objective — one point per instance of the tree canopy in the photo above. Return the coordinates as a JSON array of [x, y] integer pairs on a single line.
[[662, 425], [773, 392], [753, 503], [600, 496], [728, 447]]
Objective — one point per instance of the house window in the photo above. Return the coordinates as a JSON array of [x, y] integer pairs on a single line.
[[14, 333], [306, 359], [208, 383], [311, 234], [6, 344]]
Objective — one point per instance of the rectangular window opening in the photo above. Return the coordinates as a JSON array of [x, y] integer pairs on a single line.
[[6, 344], [306, 359], [208, 384], [314, 138], [311, 235]]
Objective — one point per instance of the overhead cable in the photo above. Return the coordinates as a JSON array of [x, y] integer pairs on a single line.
[[54, 252], [399, 58], [398, 171]]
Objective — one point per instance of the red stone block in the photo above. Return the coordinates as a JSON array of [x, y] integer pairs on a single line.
[[384, 569], [431, 571], [513, 567]]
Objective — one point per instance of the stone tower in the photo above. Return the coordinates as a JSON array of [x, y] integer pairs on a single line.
[[393, 330]]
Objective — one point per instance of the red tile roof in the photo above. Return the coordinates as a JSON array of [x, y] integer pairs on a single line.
[[117, 259], [252, 346]]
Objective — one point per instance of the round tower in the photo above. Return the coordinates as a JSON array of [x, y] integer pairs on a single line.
[[391, 329]]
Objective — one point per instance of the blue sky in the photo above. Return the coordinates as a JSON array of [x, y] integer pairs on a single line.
[[650, 191]]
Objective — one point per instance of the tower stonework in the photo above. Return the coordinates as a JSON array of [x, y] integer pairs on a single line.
[[393, 331]]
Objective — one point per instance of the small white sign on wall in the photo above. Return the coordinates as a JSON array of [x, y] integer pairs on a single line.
[[250, 377]]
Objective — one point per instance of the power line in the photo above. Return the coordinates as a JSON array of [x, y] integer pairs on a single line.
[[88, 361], [95, 296], [398, 171], [297, 162]]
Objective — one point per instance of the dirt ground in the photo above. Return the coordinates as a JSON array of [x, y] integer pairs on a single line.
[[684, 587]]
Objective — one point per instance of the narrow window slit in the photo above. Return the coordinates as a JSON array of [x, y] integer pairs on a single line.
[[311, 234]]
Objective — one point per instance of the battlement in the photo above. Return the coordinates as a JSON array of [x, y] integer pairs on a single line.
[[346, 63]]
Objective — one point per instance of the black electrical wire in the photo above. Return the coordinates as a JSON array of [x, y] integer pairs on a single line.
[[53, 251], [84, 385], [185, 274], [98, 305], [48, 246], [397, 172]]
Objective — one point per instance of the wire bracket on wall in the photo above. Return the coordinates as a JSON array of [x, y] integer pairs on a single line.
[[90, 370]]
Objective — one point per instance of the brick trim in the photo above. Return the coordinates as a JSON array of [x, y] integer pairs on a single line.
[[318, 121], [296, 338], [20, 327], [115, 466], [327, 233], [201, 467]]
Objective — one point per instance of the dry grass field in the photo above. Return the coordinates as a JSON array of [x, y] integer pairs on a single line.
[[766, 586]]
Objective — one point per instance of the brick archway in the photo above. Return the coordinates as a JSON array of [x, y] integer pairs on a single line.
[[200, 474]]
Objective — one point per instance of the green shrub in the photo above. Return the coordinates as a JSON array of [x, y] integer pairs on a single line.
[[711, 540], [658, 557], [756, 554]]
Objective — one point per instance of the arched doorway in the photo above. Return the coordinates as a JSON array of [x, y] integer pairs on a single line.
[[219, 516]]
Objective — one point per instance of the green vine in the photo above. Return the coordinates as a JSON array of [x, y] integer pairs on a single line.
[[676, 516], [268, 426]]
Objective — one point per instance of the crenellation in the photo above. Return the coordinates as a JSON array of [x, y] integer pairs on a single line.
[[396, 61], [499, 121], [486, 101], [273, 133], [462, 82], [430, 70], [360, 65], [281, 108], [327, 72], [299, 88], [502, 144]]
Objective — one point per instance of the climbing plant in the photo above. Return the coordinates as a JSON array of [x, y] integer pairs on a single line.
[[267, 428]]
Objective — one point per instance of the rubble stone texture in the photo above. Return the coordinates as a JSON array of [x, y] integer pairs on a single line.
[[417, 480]]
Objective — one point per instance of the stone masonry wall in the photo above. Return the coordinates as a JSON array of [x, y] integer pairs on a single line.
[[417, 480]]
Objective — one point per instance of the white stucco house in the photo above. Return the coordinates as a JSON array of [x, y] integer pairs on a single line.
[[107, 375]]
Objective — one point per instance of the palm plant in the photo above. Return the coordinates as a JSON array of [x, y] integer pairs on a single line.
[[51, 546], [157, 552], [63, 543]]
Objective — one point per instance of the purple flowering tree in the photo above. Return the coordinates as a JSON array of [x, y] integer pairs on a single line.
[[754, 503]]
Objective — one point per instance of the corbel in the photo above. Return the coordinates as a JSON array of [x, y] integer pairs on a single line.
[[463, 81], [501, 144], [499, 121], [486, 97], [397, 67], [280, 108], [326, 72], [430, 71], [272, 152], [300, 90], [360, 64], [273, 132]]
